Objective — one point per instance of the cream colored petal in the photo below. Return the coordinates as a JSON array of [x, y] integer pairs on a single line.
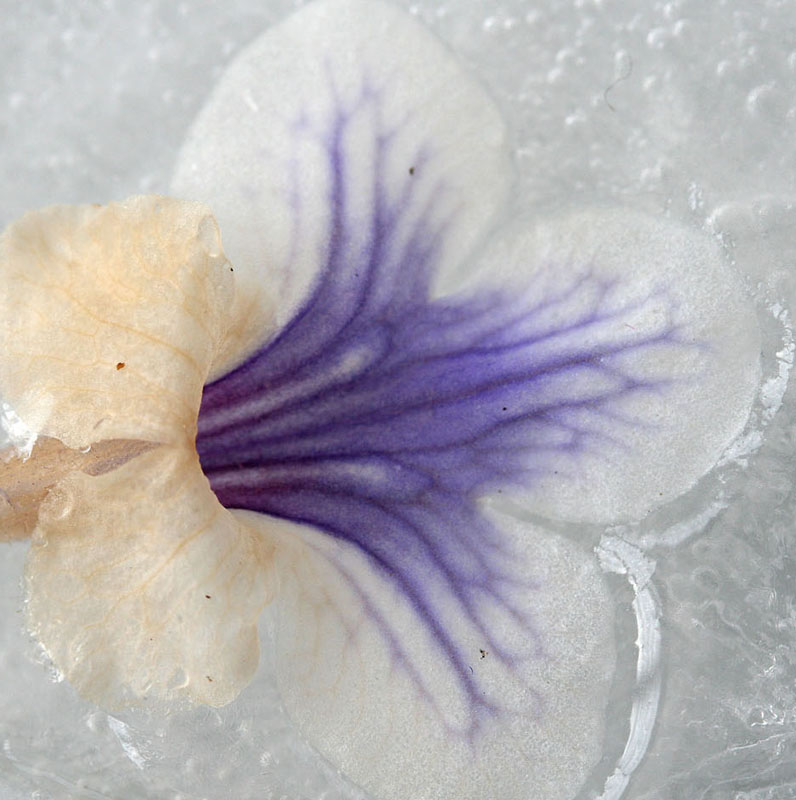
[[25, 481], [109, 318], [143, 588]]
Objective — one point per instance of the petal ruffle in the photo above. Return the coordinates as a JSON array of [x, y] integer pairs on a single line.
[[110, 317], [142, 588], [347, 129], [23, 486]]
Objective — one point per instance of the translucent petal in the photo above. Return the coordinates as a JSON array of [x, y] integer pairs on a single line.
[[142, 588], [385, 430], [672, 345], [25, 482], [109, 317], [511, 715], [345, 121]]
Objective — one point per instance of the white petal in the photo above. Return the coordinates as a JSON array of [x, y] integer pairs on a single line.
[[372, 690], [143, 588], [670, 346], [346, 111]]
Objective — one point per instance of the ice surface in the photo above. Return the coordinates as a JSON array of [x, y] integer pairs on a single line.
[[682, 109]]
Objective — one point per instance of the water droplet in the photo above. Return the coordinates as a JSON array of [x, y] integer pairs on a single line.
[[757, 717], [564, 54], [179, 680], [57, 505], [210, 236], [682, 30], [576, 118], [765, 100], [696, 198], [96, 722], [656, 38]]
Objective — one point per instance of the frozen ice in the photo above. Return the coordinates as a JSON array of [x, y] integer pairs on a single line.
[[681, 110]]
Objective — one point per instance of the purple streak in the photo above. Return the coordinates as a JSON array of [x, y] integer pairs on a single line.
[[381, 416]]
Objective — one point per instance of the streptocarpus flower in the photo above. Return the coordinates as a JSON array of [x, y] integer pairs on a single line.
[[328, 427]]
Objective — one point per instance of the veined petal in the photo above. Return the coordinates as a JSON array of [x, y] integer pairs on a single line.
[[661, 346], [142, 588], [23, 485], [346, 135], [109, 318], [380, 414], [500, 694]]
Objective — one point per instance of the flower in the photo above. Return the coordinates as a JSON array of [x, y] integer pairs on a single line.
[[361, 418]]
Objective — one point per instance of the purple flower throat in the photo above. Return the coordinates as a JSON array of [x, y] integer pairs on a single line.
[[379, 415]]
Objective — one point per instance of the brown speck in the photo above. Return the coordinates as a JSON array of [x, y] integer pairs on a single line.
[[484, 653], [120, 365], [209, 678], [411, 170], [207, 596]]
